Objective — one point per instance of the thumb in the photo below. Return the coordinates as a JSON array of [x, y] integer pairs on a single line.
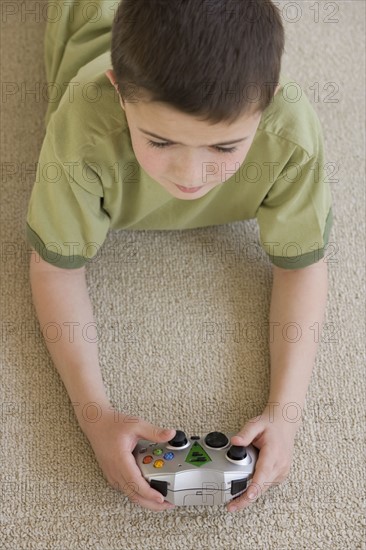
[[157, 434], [248, 432]]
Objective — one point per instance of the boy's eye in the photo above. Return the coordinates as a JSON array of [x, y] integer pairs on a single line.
[[163, 145]]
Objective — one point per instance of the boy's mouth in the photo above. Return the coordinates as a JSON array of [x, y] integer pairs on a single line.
[[189, 189]]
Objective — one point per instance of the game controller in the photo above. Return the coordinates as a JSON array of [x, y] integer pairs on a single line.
[[205, 470]]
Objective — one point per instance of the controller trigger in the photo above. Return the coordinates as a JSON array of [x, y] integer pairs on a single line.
[[160, 486]]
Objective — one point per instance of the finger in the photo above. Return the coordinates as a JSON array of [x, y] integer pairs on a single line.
[[148, 431], [261, 480], [135, 498], [263, 473], [154, 506], [135, 483], [246, 435]]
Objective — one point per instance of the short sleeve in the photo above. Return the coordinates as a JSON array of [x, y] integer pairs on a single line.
[[65, 222], [295, 217]]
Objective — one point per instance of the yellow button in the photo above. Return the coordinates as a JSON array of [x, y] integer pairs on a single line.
[[158, 463]]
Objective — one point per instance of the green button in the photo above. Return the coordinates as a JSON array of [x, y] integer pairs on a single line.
[[157, 451], [197, 456]]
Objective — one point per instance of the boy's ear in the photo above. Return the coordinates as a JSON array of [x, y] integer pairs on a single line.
[[112, 79]]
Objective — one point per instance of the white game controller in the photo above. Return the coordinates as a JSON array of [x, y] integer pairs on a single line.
[[204, 470]]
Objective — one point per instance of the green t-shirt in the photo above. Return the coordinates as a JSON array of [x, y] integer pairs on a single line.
[[88, 180]]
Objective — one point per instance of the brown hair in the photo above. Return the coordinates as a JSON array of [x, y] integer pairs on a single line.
[[215, 59]]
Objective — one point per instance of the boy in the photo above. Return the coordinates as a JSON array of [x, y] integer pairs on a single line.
[[193, 127]]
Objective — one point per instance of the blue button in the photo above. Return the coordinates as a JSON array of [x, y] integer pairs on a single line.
[[169, 456]]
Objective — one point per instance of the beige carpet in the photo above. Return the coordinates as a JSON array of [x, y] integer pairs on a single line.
[[153, 295]]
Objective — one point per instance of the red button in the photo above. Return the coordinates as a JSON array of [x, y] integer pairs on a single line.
[[147, 459]]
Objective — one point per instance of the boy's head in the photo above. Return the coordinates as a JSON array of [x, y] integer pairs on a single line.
[[198, 74]]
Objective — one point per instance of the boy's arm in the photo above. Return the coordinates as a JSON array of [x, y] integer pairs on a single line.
[[64, 310], [62, 303], [297, 311]]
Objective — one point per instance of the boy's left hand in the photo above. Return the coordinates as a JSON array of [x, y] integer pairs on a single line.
[[274, 437]]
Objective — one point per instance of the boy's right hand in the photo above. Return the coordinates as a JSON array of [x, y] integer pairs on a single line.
[[113, 438]]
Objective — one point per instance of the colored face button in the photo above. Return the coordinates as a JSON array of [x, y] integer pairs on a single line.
[[169, 456], [157, 451], [158, 463], [147, 459]]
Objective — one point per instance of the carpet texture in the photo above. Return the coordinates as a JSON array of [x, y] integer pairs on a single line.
[[176, 312]]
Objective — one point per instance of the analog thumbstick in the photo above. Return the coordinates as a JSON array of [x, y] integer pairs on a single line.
[[216, 440], [179, 440], [237, 452]]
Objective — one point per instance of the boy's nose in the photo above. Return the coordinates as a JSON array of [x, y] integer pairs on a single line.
[[192, 177], [190, 170]]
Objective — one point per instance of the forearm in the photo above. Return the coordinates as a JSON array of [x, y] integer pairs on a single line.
[[66, 320], [297, 311]]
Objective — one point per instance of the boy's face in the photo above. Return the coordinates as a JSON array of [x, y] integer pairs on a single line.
[[198, 160]]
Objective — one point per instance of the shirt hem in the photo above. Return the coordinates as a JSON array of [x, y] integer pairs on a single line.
[[51, 256], [305, 260]]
